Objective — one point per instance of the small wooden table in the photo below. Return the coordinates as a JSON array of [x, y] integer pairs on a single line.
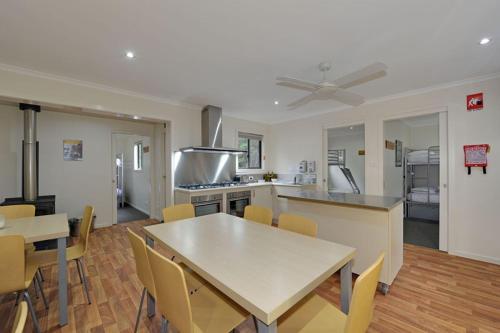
[[41, 228], [264, 269]]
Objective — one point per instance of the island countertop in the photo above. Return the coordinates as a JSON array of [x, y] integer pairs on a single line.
[[341, 199]]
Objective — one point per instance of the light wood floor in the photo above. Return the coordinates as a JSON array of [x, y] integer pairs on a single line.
[[434, 292]]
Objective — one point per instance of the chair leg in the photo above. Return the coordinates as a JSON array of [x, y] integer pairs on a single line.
[[40, 274], [164, 325], [32, 311], [35, 289], [140, 309], [79, 270], [84, 278], [18, 296], [39, 285]]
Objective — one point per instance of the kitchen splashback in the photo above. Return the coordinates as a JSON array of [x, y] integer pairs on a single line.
[[203, 168]]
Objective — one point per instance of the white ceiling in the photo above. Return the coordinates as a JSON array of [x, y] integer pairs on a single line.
[[348, 130], [228, 52]]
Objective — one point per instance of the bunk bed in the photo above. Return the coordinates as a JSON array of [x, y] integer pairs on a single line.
[[421, 178]]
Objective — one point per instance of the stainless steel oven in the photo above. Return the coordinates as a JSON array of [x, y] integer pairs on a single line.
[[237, 201], [207, 204]]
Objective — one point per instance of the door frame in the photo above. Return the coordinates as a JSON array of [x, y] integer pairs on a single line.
[[152, 176], [324, 178], [444, 170]]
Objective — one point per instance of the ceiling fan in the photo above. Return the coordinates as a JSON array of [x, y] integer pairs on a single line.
[[335, 90]]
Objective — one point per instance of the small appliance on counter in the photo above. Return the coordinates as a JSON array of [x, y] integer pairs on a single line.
[[311, 166], [303, 166]]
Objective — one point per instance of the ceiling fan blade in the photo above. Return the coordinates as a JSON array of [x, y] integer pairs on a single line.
[[368, 73], [297, 83], [347, 97], [302, 101]]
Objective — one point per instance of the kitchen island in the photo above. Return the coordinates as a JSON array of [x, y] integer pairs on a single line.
[[371, 224]]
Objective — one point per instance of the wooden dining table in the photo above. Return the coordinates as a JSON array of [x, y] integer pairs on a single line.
[[41, 228], [266, 270]]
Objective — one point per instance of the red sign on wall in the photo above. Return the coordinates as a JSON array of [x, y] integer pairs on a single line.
[[475, 102]]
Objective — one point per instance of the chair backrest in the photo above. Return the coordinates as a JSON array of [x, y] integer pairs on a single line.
[[361, 309], [178, 212], [171, 291], [141, 261], [299, 224], [17, 211], [12, 263], [20, 320], [258, 214], [88, 215]]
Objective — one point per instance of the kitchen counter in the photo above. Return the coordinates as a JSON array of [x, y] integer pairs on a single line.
[[239, 187], [342, 199], [372, 224]]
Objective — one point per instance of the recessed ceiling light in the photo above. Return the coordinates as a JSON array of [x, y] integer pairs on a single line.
[[276, 102], [136, 117], [351, 128], [485, 41], [130, 55]]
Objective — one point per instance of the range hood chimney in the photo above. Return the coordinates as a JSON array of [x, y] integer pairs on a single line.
[[211, 133], [30, 161], [211, 126]]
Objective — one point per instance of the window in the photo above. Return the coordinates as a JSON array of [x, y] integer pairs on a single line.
[[252, 144], [138, 156]]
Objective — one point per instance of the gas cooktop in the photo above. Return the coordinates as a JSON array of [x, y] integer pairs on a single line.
[[211, 185]]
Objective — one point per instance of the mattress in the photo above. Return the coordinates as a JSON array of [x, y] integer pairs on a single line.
[[423, 197], [423, 156], [425, 189]]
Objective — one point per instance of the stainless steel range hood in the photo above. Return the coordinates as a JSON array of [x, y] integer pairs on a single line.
[[211, 133]]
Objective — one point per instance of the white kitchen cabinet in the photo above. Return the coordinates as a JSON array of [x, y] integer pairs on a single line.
[[262, 196]]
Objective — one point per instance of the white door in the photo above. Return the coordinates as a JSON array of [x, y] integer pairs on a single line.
[[443, 181]]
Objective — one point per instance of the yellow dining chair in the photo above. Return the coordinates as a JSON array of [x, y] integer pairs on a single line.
[[142, 268], [315, 314], [258, 214], [20, 320], [178, 212], [17, 212], [17, 272], [194, 281], [299, 224], [206, 311], [75, 252]]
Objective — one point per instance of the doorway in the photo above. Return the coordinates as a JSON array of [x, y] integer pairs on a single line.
[[346, 159], [132, 163], [415, 151]]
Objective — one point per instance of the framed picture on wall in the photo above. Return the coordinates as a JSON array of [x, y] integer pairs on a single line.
[[399, 153], [72, 150]]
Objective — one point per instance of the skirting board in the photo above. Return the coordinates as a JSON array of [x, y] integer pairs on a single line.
[[491, 260]]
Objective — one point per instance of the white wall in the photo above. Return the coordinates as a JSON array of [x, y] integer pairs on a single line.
[[423, 137], [356, 163], [9, 146], [136, 182], [473, 214], [75, 183]]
